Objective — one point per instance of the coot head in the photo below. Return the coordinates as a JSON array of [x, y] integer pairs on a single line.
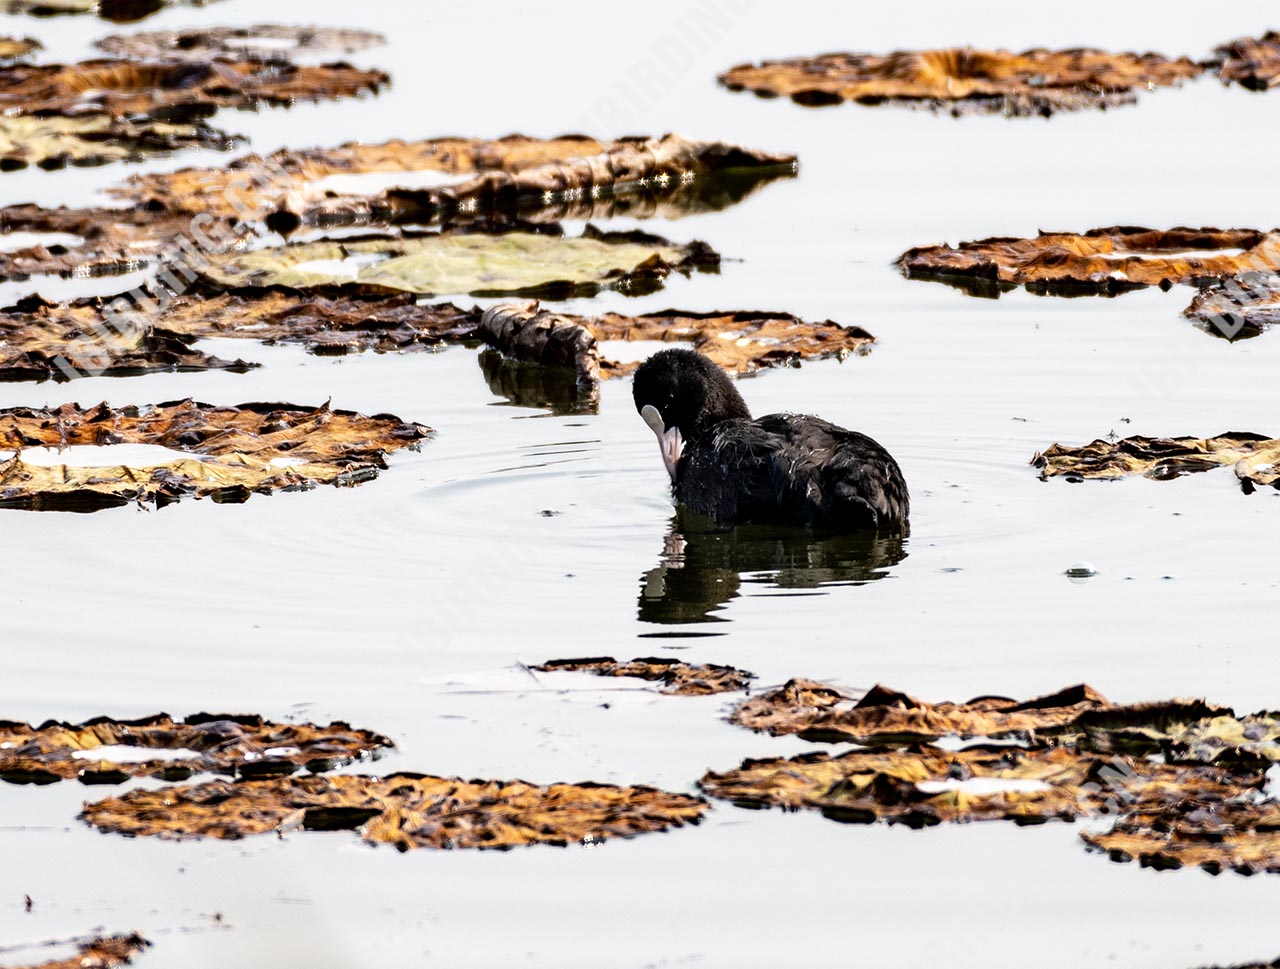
[[682, 395]]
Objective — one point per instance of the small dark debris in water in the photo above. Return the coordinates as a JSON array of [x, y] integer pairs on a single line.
[[92, 952], [1034, 83], [237, 42], [28, 905], [253, 448], [550, 513], [1098, 262], [404, 810], [677, 678], [228, 744], [1254, 457]]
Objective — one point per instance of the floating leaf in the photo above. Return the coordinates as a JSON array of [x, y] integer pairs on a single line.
[[55, 141], [120, 88], [1226, 832], [818, 711], [15, 48], [1242, 306], [110, 751], [1254, 64], [964, 80], [262, 41], [339, 185], [665, 177], [1255, 457], [92, 952], [41, 341], [406, 810], [196, 449], [481, 264], [1251, 739], [118, 11], [677, 678], [546, 339], [1099, 261]]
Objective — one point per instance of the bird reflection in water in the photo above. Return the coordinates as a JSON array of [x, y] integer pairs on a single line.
[[703, 566]]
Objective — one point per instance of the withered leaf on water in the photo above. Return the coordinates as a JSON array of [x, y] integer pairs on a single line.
[[482, 264], [882, 715], [1255, 458], [963, 80], [117, 11], [225, 453], [1229, 831], [92, 952], [175, 749], [1239, 307], [1251, 63], [677, 678], [405, 810], [739, 341], [43, 341], [14, 48], [120, 88], [1098, 261], [55, 141], [356, 183], [261, 41]]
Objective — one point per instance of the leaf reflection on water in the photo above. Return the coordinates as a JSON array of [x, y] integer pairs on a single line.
[[702, 566]]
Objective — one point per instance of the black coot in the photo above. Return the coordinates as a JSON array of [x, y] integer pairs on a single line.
[[783, 469]]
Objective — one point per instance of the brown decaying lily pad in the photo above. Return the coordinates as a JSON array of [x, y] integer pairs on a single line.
[[298, 185], [1216, 833], [405, 810], [225, 453], [13, 48], [38, 341], [1098, 261], [677, 678], [739, 342], [54, 141], [1255, 458], [543, 264], [117, 11], [122, 88], [964, 80], [1239, 307], [226, 743], [1251, 63], [237, 42], [92, 952], [106, 241]]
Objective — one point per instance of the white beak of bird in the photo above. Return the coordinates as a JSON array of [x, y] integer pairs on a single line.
[[670, 443]]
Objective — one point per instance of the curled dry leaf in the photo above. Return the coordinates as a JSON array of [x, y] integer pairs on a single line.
[[1255, 457], [272, 42], [1242, 306], [327, 185], [739, 342], [106, 751], [91, 952], [1099, 261], [1251, 63], [225, 453], [817, 711], [42, 341], [482, 264], [964, 80], [680, 679], [405, 810], [1228, 832]]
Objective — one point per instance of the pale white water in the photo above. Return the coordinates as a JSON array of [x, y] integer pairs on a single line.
[[403, 605]]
